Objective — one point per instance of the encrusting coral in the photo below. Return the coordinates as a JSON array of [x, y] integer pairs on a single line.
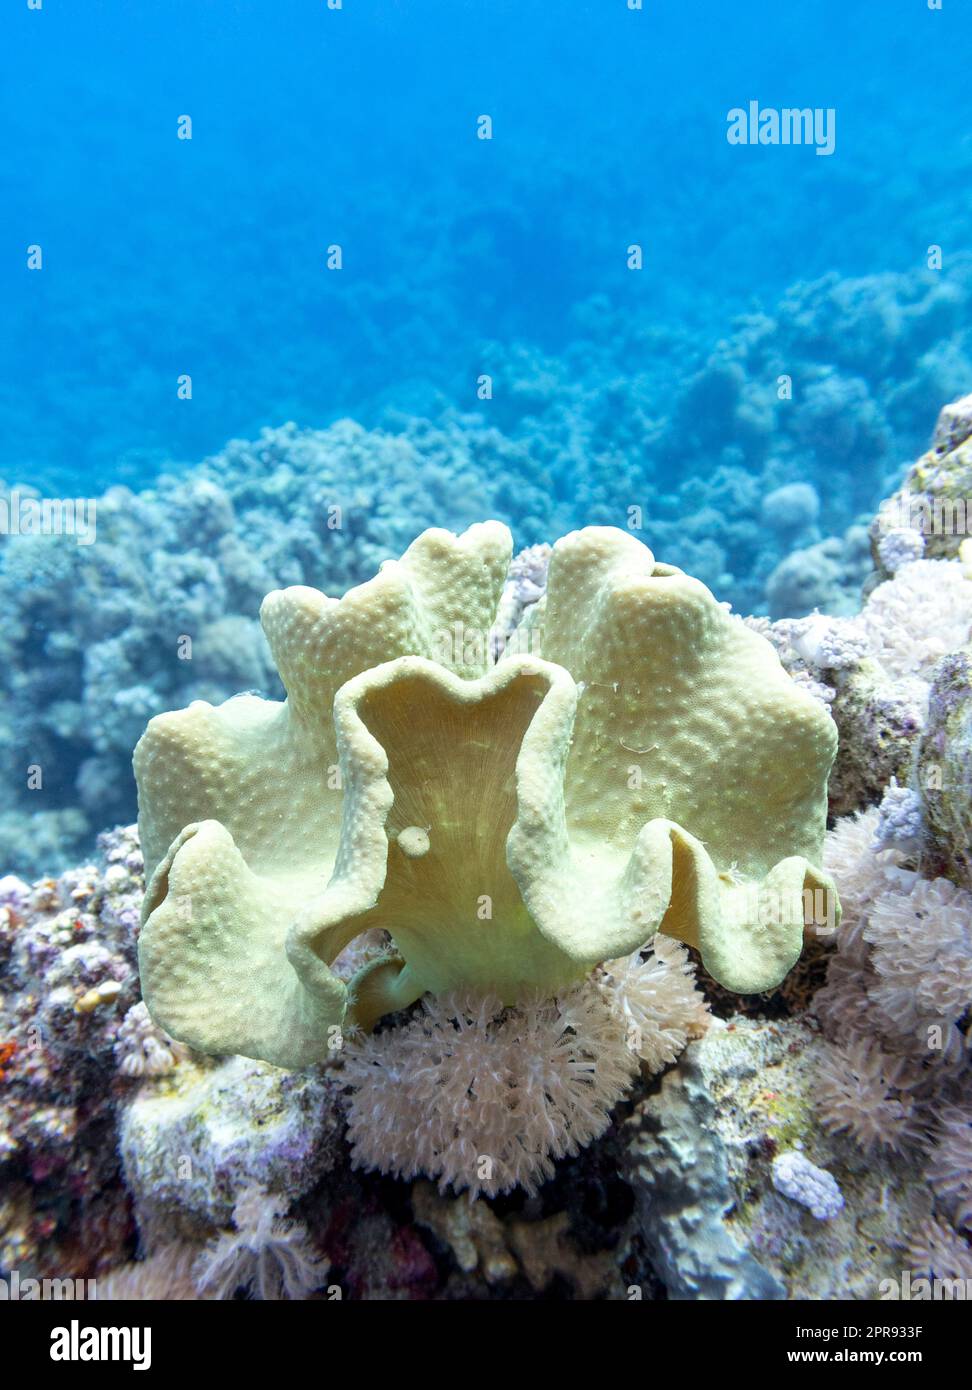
[[649, 766]]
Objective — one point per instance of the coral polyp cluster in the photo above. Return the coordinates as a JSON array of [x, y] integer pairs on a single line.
[[504, 1093]]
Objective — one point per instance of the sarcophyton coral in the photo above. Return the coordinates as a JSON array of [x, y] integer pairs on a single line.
[[647, 765]]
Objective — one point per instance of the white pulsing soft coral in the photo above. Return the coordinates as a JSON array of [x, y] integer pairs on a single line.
[[921, 954], [167, 1276], [267, 1257], [867, 1093], [903, 965], [487, 1099], [950, 1169], [656, 996], [849, 857], [896, 1004], [936, 1252], [919, 616]]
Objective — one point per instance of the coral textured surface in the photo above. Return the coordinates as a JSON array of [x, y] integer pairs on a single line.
[[627, 784]]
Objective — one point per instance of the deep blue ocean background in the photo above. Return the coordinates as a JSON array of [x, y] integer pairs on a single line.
[[313, 126], [646, 398]]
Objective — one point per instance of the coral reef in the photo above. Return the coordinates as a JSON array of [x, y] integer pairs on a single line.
[[717, 473], [68, 981], [677, 1165], [103, 636], [701, 1158], [897, 1007], [191, 1143], [635, 1130], [931, 504], [827, 575], [893, 678]]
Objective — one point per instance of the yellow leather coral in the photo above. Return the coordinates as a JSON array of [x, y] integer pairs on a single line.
[[647, 765]]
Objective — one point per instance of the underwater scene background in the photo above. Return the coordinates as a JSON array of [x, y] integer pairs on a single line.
[[284, 286], [462, 258]]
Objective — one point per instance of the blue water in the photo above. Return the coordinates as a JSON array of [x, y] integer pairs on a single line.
[[615, 391], [312, 126]]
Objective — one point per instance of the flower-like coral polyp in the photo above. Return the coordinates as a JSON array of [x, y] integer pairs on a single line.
[[649, 766]]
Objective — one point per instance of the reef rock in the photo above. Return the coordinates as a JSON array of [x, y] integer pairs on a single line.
[[936, 496], [943, 774], [192, 1142], [700, 1159]]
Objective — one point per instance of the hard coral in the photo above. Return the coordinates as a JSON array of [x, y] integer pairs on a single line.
[[651, 768]]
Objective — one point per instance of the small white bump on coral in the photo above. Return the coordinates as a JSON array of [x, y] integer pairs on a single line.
[[414, 841]]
